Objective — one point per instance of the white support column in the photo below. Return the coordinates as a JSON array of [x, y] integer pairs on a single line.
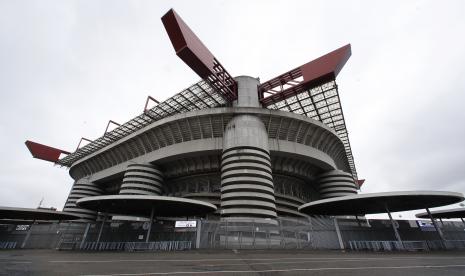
[[441, 235], [152, 212], [338, 232], [101, 228], [27, 235], [85, 235], [396, 232]]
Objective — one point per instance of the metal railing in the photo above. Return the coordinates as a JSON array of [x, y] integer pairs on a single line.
[[407, 245], [388, 245], [7, 245], [127, 246]]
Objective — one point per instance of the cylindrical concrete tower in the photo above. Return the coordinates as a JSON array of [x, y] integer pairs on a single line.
[[336, 183], [82, 188], [247, 189], [142, 179]]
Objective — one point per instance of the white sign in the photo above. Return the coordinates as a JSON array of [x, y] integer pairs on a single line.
[[22, 227], [185, 223]]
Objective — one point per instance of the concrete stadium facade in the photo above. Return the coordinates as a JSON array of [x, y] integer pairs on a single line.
[[249, 161]]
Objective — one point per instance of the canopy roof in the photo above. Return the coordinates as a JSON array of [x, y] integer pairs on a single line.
[[375, 203], [141, 205], [449, 213], [14, 213]]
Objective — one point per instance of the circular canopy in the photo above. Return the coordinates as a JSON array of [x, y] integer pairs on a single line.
[[141, 205], [450, 213], [375, 203], [13, 213]]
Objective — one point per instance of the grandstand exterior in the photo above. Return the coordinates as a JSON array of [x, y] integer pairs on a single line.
[[255, 150]]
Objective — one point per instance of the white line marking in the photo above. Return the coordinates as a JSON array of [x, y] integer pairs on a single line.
[[280, 270], [248, 259], [301, 262]]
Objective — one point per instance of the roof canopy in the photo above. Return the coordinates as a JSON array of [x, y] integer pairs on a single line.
[[449, 213], [375, 203], [13, 213], [141, 205]]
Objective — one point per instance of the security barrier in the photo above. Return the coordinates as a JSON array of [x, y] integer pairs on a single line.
[[388, 245], [7, 245], [127, 246]]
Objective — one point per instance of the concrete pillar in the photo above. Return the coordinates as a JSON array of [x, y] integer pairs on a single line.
[[247, 189], [82, 188], [336, 183], [142, 179]]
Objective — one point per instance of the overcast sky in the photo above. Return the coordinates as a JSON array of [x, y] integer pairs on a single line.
[[67, 67]]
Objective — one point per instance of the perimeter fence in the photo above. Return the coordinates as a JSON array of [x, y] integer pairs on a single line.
[[282, 233]]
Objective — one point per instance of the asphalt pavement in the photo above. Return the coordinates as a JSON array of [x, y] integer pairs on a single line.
[[230, 262]]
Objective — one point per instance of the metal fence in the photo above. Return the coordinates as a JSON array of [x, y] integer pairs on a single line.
[[388, 245], [126, 246], [282, 233]]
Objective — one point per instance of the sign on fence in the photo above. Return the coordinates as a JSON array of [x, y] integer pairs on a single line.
[[185, 224]]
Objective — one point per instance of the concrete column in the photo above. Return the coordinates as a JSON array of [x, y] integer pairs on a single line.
[[142, 179], [335, 183], [82, 188], [247, 189]]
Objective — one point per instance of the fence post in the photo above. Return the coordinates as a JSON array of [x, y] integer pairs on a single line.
[[226, 235], [253, 233], [198, 232]]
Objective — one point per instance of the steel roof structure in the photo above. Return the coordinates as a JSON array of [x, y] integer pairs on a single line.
[[198, 96]]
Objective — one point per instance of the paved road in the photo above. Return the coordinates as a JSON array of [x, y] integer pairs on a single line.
[[50, 262]]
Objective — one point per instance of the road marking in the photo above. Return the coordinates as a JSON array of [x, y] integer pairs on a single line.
[[248, 259], [18, 262], [279, 270], [303, 262]]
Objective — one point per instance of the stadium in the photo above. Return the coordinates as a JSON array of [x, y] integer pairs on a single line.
[[253, 149], [228, 162]]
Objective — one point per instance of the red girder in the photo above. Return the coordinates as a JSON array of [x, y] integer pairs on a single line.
[[44, 152], [197, 56], [314, 73]]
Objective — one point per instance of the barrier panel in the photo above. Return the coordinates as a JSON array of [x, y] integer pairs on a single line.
[[7, 245], [127, 246]]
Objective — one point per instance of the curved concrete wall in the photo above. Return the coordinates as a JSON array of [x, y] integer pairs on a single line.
[[336, 183], [142, 179], [82, 188]]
